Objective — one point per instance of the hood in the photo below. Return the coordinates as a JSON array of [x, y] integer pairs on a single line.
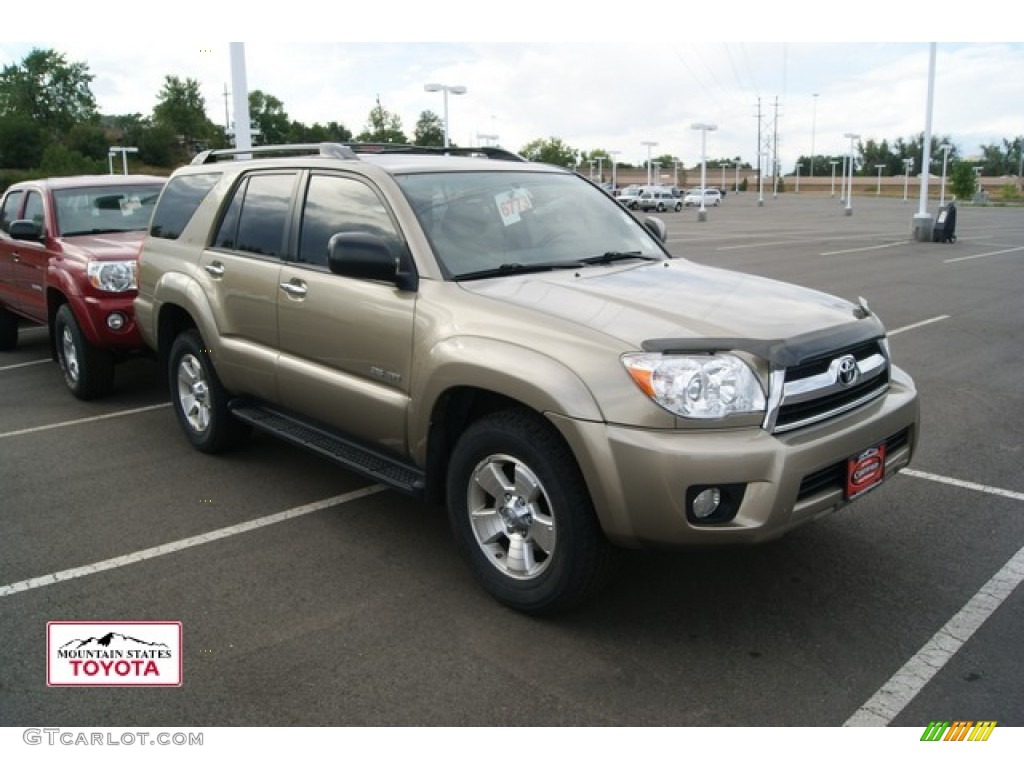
[[104, 247], [674, 301]]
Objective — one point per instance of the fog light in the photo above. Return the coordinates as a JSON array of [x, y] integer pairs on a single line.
[[115, 321], [705, 503]]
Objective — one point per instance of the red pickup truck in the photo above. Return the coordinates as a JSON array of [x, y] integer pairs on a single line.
[[69, 252]]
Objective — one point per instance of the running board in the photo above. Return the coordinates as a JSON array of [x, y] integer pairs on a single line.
[[393, 472]]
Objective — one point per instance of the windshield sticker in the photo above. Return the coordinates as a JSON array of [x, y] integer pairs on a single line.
[[513, 203]]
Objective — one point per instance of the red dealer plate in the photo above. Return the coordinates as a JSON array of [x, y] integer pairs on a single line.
[[865, 470]]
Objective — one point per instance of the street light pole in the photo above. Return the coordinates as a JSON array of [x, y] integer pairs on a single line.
[[842, 183], [458, 90], [724, 167], [703, 128], [613, 153], [600, 168], [908, 163], [649, 144], [814, 120], [945, 157], [798, 167], [849, 198], [878, 190], [833, 163]]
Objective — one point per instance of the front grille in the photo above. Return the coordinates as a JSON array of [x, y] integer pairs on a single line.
[[833, 477], [813, 392]]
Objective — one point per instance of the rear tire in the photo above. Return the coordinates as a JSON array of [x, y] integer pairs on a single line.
[[88, 371], [200, 401], [521, 512]]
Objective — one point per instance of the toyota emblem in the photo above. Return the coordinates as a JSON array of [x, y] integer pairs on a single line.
[[847, 372]]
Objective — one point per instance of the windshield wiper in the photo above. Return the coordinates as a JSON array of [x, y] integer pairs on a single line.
[[609, 256], [98, 231], [515, 268]]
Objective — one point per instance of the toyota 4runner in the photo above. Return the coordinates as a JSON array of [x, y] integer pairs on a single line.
[[499, 335], [68, 256]]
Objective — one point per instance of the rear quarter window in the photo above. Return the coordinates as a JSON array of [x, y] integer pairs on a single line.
[[179, 202]]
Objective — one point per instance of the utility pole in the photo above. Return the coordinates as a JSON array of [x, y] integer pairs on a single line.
[[775, 151]]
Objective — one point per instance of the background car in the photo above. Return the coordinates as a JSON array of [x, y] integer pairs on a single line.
[[709, 197], [68, 260], [659, 200]]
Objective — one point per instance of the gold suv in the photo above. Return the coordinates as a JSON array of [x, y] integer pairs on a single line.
[[503, 337]]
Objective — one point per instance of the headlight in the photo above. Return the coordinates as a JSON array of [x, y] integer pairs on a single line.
[[113, 276], [697, 386]]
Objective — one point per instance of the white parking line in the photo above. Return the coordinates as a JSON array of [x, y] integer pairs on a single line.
[[900, 690], [989, 489], [88, 420], [865, 248], [982, 255], [918, 325], [891, 699], [193, 541], [22, 365]]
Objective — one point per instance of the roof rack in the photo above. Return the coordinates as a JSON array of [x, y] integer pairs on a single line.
[[348, 151], [323, 149]]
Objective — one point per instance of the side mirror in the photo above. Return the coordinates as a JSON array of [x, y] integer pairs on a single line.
[[25, 229], [656, 227], [368, 257]]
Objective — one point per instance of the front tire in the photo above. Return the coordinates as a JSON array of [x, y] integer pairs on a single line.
[[8, 330], [521, 512], [200, 401], [88, 371]]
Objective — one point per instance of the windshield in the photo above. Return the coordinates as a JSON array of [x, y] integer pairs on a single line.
[[113, 208], [484, 222]]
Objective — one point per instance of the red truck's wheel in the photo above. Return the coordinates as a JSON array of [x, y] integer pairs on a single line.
[[8, 330], [88, 371]]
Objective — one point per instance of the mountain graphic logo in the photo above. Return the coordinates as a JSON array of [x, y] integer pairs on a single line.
[[110, 641]]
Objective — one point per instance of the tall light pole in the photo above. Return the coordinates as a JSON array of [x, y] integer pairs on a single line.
[[458, 90], [922, 221], [833, 163], [908, 163], [878, 190], [736, 183], [703, 128], [649, 144], [725, 166], [798, 167], [600, 168], [814, 120], [613, 153], [842, 183], [849, 198], [945, 157]]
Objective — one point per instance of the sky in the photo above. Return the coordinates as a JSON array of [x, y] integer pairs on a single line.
[[593, 80]]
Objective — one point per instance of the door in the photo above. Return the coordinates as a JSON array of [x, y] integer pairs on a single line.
[[240, 274], [28, 262], [346, 343]]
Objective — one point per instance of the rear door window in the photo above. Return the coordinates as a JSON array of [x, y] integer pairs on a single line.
[[180, 200]]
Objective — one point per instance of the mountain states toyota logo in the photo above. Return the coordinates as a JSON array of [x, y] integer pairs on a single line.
[[128, 653]]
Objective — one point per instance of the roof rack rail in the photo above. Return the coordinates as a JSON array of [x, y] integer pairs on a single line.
[[494, 153], [323, 149]]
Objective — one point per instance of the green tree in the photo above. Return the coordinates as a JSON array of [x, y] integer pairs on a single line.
[[429, 130], [552, 150], [89, 140], [22, 141], [48, 89], [268, 115], [58, 160], [182, 108], [962, 180], [383, 126]]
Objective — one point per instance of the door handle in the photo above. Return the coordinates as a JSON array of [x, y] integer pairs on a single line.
[[295, 290], [216, 269]]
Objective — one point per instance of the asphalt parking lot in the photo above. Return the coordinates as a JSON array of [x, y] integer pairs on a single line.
[[308, 597]]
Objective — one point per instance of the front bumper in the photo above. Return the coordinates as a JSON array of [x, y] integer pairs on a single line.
[[638, 478]]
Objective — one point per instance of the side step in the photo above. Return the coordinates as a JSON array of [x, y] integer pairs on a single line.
[[352, 455]]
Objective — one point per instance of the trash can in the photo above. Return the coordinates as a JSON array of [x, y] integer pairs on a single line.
[[944, 230]]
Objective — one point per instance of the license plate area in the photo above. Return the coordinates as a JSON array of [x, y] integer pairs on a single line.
[[865, 471]]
